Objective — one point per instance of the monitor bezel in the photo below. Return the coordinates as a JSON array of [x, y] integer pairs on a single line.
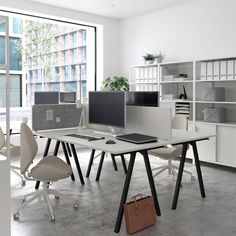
[[104, 124], [44, 92], [157, 93]]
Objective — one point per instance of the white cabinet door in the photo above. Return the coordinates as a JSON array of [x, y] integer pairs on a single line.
[[207, 149], [226, 145]]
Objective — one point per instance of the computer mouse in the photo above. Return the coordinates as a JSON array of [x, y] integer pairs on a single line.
[[110, 141]]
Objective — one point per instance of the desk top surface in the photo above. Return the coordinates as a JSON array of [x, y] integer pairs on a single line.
[[178, 136]]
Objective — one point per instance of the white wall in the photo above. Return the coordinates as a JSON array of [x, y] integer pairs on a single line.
[[108, 55], [192, 30]]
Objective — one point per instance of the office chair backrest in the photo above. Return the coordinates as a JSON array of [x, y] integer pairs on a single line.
[[2, 138], [28, 147], [180, 122]]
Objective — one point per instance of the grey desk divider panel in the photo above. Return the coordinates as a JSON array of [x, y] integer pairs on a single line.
[[55, 116], [154, 121]]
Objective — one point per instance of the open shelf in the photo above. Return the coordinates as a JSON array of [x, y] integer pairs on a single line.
[[216, 102], [229, 124], [177, 100], [219, 80], [176, 81]]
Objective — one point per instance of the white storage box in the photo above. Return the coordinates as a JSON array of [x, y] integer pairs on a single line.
[[216, 114], [213, 94], [170, 96]]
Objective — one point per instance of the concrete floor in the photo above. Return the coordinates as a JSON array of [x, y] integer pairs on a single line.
[[99, 201]]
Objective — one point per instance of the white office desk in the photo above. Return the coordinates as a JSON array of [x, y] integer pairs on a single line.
[[121, 147]]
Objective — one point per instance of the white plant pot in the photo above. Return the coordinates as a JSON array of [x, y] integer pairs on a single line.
[[149, 62]]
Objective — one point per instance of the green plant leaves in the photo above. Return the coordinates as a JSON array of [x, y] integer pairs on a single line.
[[117, 83]]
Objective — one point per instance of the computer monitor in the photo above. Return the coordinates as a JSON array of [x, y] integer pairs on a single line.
[[107, 108], [142, 98], [45, 97], [67, 97]]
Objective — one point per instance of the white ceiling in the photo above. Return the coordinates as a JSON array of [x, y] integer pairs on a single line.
[[119, 9]]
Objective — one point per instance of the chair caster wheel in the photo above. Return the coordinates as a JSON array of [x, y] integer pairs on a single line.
[[23, 200], [16, 216], [192, 178], [76, 205], [52, 218], [57, 197], [23, 182]]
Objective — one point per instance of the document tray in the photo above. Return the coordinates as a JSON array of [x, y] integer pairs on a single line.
[[137, 138]]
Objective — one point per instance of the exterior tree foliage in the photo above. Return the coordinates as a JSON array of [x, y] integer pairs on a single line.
[[37, 45]]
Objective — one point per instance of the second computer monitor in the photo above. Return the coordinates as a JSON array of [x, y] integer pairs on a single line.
[[46, 97], [107, 108], [67, 97], [142, 98]]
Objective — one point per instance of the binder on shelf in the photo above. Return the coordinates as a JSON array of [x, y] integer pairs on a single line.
[[209, 70], [230, 69], [203, 71], [223, 69], [216, 70]]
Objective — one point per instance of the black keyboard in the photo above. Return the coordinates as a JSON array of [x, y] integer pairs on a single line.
[[85, 137]]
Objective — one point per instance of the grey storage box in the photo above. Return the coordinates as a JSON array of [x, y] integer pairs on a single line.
[[213, 94], [216, 114]]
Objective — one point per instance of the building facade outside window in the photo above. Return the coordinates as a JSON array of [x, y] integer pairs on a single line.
[[67, 70]]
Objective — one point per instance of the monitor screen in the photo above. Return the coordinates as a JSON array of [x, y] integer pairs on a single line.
[[46, 98], [67, 97], [143, 98], [107, 108]]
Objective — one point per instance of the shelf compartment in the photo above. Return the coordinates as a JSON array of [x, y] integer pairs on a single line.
[[219, 80], [177, 81], [216, 102]]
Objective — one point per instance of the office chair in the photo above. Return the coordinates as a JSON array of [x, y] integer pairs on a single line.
[[170, 152], [49, 169], [14, 153]]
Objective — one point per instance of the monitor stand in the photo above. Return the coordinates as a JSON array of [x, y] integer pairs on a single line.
[[112, 132]]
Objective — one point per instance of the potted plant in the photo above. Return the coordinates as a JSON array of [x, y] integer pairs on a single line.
[[149, 58], [116, 83], [160, 57]]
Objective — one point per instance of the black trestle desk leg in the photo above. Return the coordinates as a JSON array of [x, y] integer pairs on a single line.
[[90, 163], [67, 159], [56, 148], [198, 168], [100, 166], [151, 181], [124, 163], [179, 177], [68, 149], [114, 162], [44, 155], [77, 163], [125, 193]]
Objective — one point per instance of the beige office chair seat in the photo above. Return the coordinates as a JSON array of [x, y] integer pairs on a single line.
[[48, 170], [14, 151], [51, 168], [167, 152]]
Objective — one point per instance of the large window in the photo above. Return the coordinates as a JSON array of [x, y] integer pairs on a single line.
[[46, 55]]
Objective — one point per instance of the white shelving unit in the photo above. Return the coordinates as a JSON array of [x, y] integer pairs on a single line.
[[170, 79], [144, 77]]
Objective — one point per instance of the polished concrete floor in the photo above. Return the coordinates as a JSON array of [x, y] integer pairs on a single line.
[[98, 203]]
